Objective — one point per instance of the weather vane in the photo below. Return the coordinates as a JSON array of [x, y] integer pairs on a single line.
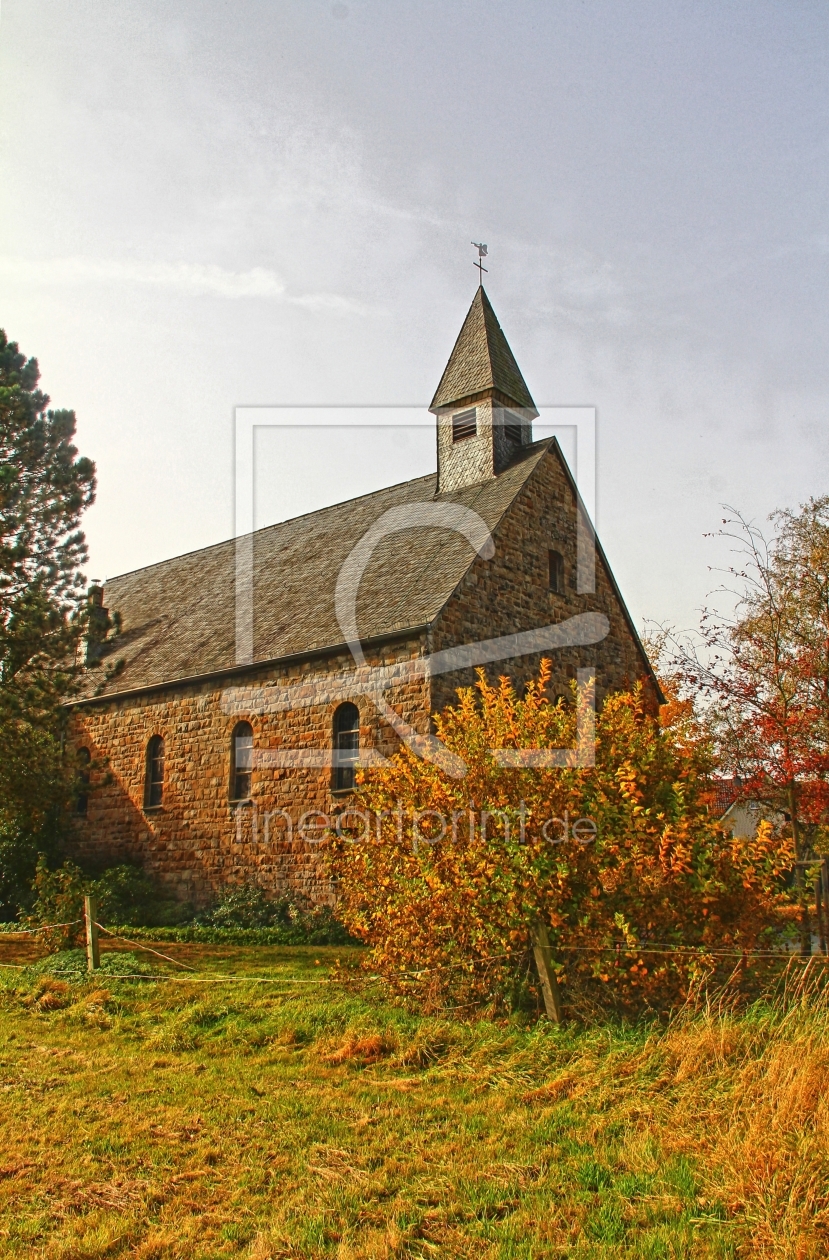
[[482, 252]]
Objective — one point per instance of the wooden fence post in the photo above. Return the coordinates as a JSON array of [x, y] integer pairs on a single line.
[[543, 954], [822, 892], [90, 910]]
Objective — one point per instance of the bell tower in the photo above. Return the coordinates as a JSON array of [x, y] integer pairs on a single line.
[[483, 407]]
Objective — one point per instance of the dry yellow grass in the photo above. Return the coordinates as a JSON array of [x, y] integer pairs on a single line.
[[753, 1105]]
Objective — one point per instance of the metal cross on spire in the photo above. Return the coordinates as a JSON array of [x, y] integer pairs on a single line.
[[482, 252]]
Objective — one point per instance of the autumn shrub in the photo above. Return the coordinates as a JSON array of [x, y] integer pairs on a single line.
[[643, 892]]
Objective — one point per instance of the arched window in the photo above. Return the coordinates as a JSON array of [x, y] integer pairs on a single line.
[[82, 799], [154, 782], [556, 565], [346, 746], [241, 761]]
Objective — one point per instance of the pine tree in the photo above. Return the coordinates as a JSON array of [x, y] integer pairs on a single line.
[[44, 488]]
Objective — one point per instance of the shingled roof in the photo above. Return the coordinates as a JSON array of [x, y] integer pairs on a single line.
[[481, 361], [178, 617]]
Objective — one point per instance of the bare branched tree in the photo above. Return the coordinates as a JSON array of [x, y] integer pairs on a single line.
[[760, 672]]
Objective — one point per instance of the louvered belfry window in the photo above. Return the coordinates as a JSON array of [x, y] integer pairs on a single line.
[[513, 428], [346, 746], [465, 424], [154, 785], [241, 752]]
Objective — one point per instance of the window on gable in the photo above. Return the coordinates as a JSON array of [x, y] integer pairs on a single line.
[[556, 572], [346, 746], [82, 799], [465, 424], [241, 769], [154, 782], [513, 428]]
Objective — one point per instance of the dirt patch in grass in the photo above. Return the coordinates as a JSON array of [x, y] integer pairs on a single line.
[[19, 950]]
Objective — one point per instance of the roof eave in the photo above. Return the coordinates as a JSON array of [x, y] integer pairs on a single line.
[[293, 658], [487, 394]]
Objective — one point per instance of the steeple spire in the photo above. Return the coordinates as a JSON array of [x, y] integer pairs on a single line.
[[481, 362], [483, 407]]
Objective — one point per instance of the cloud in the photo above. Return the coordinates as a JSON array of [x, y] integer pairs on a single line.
[[182, 277]]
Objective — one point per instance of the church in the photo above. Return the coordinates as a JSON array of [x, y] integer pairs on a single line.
[[208, 766]]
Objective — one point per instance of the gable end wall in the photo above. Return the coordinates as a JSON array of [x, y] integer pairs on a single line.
[[511, 593]]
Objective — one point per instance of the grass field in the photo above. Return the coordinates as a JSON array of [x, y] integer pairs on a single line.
[[298, 1119]]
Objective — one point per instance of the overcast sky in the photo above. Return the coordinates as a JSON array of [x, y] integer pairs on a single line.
[[209, 204]]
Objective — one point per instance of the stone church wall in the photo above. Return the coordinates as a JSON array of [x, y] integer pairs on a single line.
[[197, 842]]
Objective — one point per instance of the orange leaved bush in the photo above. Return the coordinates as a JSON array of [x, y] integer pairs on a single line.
[[641, 889]]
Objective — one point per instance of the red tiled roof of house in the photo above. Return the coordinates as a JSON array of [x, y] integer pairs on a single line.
[[723, 793]]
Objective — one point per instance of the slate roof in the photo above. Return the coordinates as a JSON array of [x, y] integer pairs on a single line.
[[178, 617], [481, 360]]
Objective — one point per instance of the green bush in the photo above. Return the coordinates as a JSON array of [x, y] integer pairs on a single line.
[[328, 931], [246, 908], [59, 898], [127, 896], [71, 965]]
